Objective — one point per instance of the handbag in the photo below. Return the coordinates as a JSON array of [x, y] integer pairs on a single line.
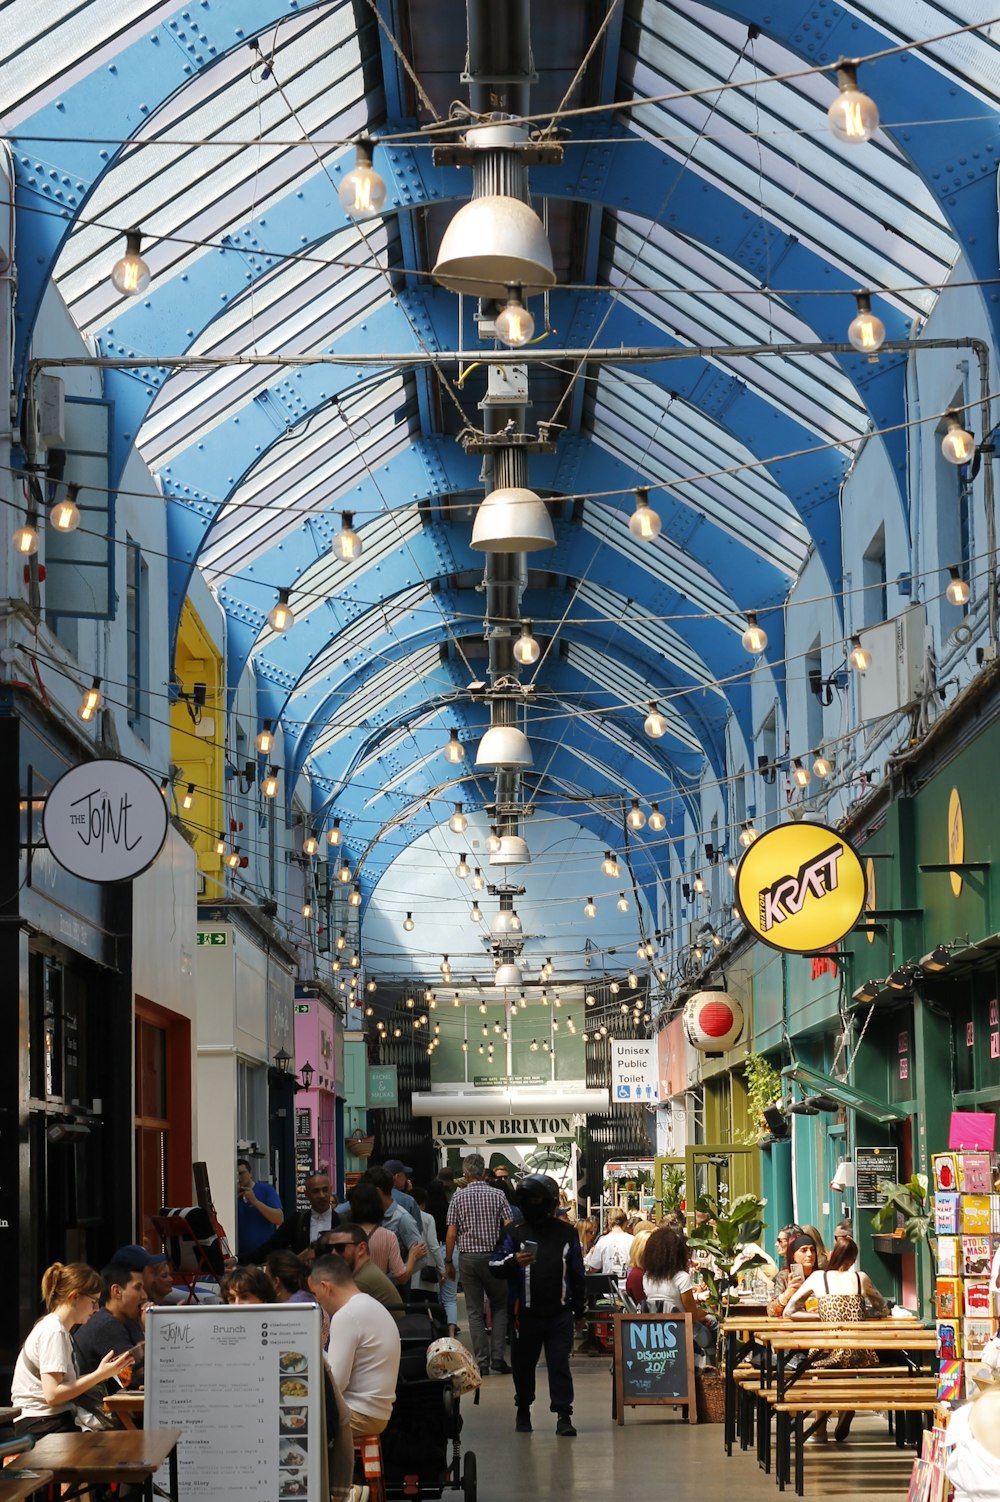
[[90, 1414]]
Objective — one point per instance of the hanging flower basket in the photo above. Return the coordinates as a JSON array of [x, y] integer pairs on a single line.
[[360, 1145]]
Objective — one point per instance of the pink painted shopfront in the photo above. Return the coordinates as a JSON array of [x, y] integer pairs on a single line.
[[319, 1043]]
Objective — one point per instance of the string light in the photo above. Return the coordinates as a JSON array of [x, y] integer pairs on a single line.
[[310, 845], [476, 914], [514, 325], [307, 910], [609, 864], [269, 787], [362, 192], [865, 331], [188, 800], [853, 115], [445, 965], [333, 834], [355, 898], [698, 884], [515, 922], [636, 819], [264, 740], [233, 860], [526, 648], [590, 908], [859, 657], [463, 869], [754, 638], [748, 834], [622, 903], [25, 540], [493, 840], [958, 590], [633, 979], [130, 275], [731, 868], [657, 819], [478, 883], [65, 514], [590, 1001], [408, 924], [281, 616], [343, 874], [454, 751], [91, 701], [801, 774], [644, 523], [958, 445], [220, 844], [822, 765], [654, 724], [347, 545], [458, 823]]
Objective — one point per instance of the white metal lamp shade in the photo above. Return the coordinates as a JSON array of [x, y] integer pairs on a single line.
[[513, 852], [504, 746], [494, 243], [512, 520], [507, 974], [504, 922]]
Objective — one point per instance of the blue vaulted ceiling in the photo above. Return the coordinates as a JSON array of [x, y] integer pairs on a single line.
[[709, 219]]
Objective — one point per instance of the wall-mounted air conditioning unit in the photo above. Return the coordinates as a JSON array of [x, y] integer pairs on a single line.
[[892, 681]]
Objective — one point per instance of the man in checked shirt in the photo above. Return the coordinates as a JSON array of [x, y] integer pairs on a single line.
[[478, 1215]]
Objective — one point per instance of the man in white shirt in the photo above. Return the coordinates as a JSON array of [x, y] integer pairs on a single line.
[[610, 1254], [364, 1346]]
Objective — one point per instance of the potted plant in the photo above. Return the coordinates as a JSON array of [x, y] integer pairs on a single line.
[[764, 1088], [910, 1200], [673, 1187], [724, 1232]]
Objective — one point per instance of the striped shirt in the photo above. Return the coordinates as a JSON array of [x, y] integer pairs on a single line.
[[479, 1213]]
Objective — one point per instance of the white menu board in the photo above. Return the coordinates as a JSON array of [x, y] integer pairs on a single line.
[[245, 1383]]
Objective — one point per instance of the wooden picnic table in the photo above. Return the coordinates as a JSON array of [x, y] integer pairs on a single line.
[[125, 1405], [108, 1455], [18, 1482]]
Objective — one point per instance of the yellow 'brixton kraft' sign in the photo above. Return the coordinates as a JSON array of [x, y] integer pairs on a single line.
[[800, 887]]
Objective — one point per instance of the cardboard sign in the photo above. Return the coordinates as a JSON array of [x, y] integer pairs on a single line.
[[654, 1363]]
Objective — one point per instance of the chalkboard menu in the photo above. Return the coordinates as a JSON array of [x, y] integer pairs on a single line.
[[245, 1384], [871, 1165], [654, 1362]]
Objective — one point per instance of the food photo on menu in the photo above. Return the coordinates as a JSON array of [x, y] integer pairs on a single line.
[[292, 1362], [294, 1420], [292, 1454], [293, 1388], [293, 1485]]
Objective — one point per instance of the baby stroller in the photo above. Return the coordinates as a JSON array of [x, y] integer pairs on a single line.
[[421, 1445]]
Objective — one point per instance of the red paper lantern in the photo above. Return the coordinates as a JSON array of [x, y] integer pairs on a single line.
[[713, 1021]]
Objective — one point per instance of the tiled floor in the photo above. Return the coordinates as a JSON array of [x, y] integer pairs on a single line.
[[654, 1454]]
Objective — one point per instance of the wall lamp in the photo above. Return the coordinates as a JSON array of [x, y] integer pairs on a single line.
[[869, 991], [939, 959], [823, 687], [768, 772], [901, 979]]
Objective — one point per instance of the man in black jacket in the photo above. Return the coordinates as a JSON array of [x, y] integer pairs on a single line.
[[542, 1258], [299, 1230]]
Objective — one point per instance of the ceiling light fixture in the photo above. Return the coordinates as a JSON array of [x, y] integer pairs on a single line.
[[754, 638], [514, 325], [512, 519], [130, 275], [362, 192], [644, 523], [504, 746], [853, 115], [865, 331]]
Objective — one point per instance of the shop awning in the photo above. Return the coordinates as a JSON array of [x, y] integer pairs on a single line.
[[869, 1106]]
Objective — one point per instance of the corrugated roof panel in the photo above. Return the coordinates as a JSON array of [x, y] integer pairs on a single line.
[[973, 59], [377, 691], [631, 618], [356, 637], [626, 687]]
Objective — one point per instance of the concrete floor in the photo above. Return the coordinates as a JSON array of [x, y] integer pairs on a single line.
[[654, 1450]]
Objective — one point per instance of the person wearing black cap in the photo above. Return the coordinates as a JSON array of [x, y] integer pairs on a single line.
[[155, 1269], [544, 1262], [401, 1176]]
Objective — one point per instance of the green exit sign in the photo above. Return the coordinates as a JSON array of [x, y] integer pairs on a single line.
[[216, 938], [303, 1006]]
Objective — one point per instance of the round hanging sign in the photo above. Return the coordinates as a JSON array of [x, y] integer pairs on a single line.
[[800, 887], [105, 820], [713, 1021]]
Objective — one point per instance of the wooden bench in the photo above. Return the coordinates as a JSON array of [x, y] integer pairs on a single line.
[[918, 1396]]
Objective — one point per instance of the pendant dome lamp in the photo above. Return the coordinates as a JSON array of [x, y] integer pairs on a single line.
[[507, 975], [504, 746], [512, 519], [513, 852], [495, 242]]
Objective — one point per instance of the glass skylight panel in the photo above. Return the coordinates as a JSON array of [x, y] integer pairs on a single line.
[[632, 618], [358, 637], [626, 688], [663, 562], [379, 690], [973, 59]]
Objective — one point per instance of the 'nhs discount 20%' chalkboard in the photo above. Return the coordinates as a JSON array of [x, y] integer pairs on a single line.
[[654, 1362]]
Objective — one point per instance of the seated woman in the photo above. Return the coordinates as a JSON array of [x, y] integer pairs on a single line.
[[46, 1384], [801, 1265], [840, 1290], [669, 1285], [248, 1285], [634, 1287], [288, 1275]]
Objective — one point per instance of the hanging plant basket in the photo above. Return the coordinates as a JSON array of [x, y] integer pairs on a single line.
[[360, 1145]]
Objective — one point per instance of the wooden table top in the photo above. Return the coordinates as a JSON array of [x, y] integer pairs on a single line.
[[863, 1336], [107, 1455], [131, 1402], [16, 1484]]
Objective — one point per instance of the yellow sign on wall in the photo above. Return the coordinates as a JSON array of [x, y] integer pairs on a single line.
[[801, 887], [871, 900], [956, 840]]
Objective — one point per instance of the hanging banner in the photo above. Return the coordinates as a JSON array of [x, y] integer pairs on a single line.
[[105, 820], [800, 887], [634, 1072]]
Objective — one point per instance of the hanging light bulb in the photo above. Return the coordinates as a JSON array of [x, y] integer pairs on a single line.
[[657, 820], [609, 864], [859, 657], [515, 325], [445, 965], [307, 910], [853, 115], [408, 924], [526, 648], [822, 765], [801, 774], [233, 860], [355, 898], [130, 274], [590, 1001], [220, 844], [533, 1045], [269, 787], [958, 445], [655, 724], [522, 1001], [281, 617], [748, 834], [515, 922], [478, 881], [347, 545], [458, 823], [310, 845], [636, 819], [644, 523], [463, 869], [590, 908], [731, 868], [622, 903], [343, 874], [958, 590], [362, 191], [65, 514], [865, 331], [754, 638], [91, 701], [25, 540], [698, 883], [493, 843], [264, 741], [187, 801], [454, 751], [633, 979], [476, 914]]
